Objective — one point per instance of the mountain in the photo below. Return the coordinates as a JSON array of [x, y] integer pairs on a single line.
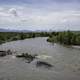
[[10, 30]]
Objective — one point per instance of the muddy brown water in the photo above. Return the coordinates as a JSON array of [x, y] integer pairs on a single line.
[[65, 61]]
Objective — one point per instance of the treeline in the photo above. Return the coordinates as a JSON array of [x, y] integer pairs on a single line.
[[66, 37], [11, 36]]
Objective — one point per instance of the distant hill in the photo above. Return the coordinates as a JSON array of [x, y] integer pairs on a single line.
[[9, 30]]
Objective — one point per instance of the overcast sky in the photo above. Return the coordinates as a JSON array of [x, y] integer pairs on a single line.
[[40, 14]]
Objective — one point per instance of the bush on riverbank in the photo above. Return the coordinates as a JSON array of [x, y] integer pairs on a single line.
[[66, 37]]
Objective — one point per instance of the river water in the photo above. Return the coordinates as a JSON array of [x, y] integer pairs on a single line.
[[65, 61]]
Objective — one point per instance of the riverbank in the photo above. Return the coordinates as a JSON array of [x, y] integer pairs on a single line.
[[13, 36], [65, 38]]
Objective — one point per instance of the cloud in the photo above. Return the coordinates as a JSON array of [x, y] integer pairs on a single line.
[[1, 9], [13, 11], [32, 18]]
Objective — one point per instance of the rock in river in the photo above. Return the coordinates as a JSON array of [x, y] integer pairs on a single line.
[[27, 56], [4, 53], [44, 64]]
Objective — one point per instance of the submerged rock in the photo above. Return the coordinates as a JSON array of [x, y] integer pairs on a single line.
[[27, 56], [9, 52], [44, 64], [4, 53]]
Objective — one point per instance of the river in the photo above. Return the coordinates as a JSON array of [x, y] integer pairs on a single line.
[[65, 61]]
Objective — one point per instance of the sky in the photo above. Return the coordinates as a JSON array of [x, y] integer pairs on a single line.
[[40, 14]]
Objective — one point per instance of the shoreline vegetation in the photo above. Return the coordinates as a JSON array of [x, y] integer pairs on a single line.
[[13, 36], [69, 38], [65, 37]]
